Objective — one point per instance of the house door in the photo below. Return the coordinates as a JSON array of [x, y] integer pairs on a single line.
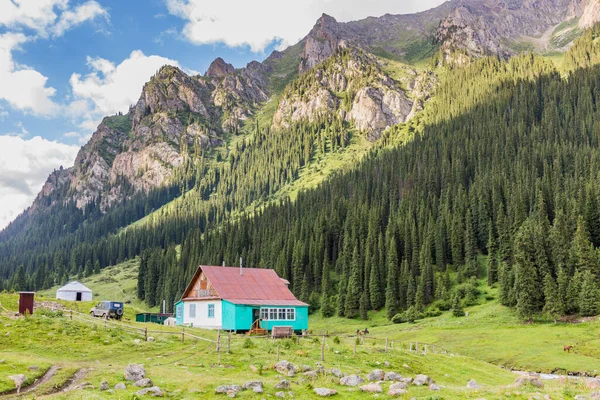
[[255, 314], [78, 296]]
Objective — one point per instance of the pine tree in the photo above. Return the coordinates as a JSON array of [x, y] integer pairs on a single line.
[[391, 290], [589, 298], [527, 283], [492, 264], [457, 309], [352, 306], [582, 255], [375, 292], [364, 306], [553, 305]]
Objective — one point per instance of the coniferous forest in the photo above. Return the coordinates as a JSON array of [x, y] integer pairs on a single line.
[[500, 181]]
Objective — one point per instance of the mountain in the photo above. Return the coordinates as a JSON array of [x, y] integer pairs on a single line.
[[197, 156]]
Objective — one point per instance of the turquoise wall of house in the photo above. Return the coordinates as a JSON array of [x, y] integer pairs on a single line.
[[238, 317], [228, 322], [179, 312], [299, 324]]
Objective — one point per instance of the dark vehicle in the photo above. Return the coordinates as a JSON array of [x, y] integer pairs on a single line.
[[108, 309]]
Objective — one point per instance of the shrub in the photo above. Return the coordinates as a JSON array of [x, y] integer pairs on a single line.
[[336, 340], [399, 318], [248, 344]]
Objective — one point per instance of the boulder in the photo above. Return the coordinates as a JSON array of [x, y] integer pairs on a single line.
[[407, 381], [392, 376], [223, 389], [286, 368], [282, 385], [253, 368], [256, 386], [280, 394], [146, 382], [150, 339], [120, 386], [137, 341], [18, 380], [593, 383], [351, 380], [306, 368], [473, 384], [231, 393], [337, 373], [396, 392], [313, 375], [371, 388], [398, 385], [375, 375], [151, 391], [580, 397], [134, 372], [104, 385], [529, 379], [324, 392], [595, 396], [421, 380], [433, 386]]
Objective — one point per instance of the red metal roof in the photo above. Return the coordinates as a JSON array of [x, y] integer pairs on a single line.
[[256, 286]]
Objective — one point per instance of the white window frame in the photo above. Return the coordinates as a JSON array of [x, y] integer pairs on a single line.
[[192, 311], [289, 314], [211, 310]]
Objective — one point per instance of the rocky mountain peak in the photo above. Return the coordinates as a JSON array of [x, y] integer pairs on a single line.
[[219, 68], [321, 42]]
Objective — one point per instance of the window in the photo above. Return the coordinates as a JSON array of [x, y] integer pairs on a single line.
[[211, 311], [278, 314], [179, 311], [192, 313]]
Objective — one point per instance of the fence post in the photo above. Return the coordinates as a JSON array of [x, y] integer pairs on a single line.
[[146, 334], [386, 345], [71, 315], [182, 334], [425, 351], [218, 340], [323, 349], [410, 348], [228, 342]]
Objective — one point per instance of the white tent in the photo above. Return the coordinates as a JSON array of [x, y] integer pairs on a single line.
[[74, 291]]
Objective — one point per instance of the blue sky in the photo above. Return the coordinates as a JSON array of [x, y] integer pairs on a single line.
[[64, 64]]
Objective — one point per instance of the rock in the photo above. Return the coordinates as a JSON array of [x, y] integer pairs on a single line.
[[306, 368], [386, 363], [282, 385], [33, 368], [593, 383], [324, 392], [104, 385], [396, 392], [120, 386], [407, 381], [406, 366], [595, 396], [223, 389], [110, 391], [580, 397], [392, 376], [351, 380], [150, 339], [375, 375], [421, 380], [231, 393], [256, 386], [18, 380], [286, 368], [151, 391], [371, 388], [313, 375], [219, 68], [134, 372], [253, 368], [145, 382], [433, 386], [280, 394], [473, 384], [337, 373], [529, 379], [398, 385], [137, 341]]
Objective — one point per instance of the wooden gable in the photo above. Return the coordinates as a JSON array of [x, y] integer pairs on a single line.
[[200, 287]]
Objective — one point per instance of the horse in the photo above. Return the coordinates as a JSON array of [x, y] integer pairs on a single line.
[[568, 348]]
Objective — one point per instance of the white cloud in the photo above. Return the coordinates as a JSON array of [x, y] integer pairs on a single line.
[[80, 14], [111, 88], [260, 22], [24, 167]]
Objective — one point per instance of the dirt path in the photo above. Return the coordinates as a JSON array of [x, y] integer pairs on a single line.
[[40, 381], [73, 381], [69, 385]]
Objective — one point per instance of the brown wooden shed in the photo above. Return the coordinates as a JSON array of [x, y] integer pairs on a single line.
[[26, 302]]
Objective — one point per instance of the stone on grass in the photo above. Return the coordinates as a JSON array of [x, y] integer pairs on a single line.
[[223, 389], [433, 386], [580, 397], [351, 380], [392, 376], [145, 382], [150, 339], [280, 394], [306, 368], [375, 375], [137, 341], [253, 368], [286, 368], [371, 388], [18, 380], [593, 383], [595, 396], [529, 379], [282, 385], [33, 368], [311, 375], [407, 381], [256, 386], [324, 392], [151, 391], [120, 386], [421, 380], [473, 384], [337, 373], [134, 372], [386, 363], [396, 392], [104, 385]]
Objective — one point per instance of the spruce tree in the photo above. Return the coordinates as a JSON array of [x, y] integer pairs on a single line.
[[391, 290], [352, 306], [552, 303], [457, 309], [364, 306], [492, 263], [589, 299]]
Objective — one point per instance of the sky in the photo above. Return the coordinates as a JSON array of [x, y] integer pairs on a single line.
[[65, 64]]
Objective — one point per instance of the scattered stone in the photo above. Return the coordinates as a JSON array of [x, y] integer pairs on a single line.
[[256, 386], [386, 363], [396, 392], [137, 341], [313, 375], [253, 368], [150, 339], [286, 368], [337, 373], [593, 383], [371, 388], [280, 394], [231, 393], [473, 384], [421, 380], [398, 385], [375, 375], [2, 361], [324, 392], [223, 389], [351, 380], [595, 396], [529, 379], [406, 366], [580, 397], [18, 380], [392, 376], [282, 385], [120, 386], [110, 391], [151, 391], [306, 368], [134, 372], [33, 368], [145, 382], [433, 386], [104, 385], [407, 381]]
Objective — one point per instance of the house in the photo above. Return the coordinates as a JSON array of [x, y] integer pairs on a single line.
[[235, 299], [74, 291]]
